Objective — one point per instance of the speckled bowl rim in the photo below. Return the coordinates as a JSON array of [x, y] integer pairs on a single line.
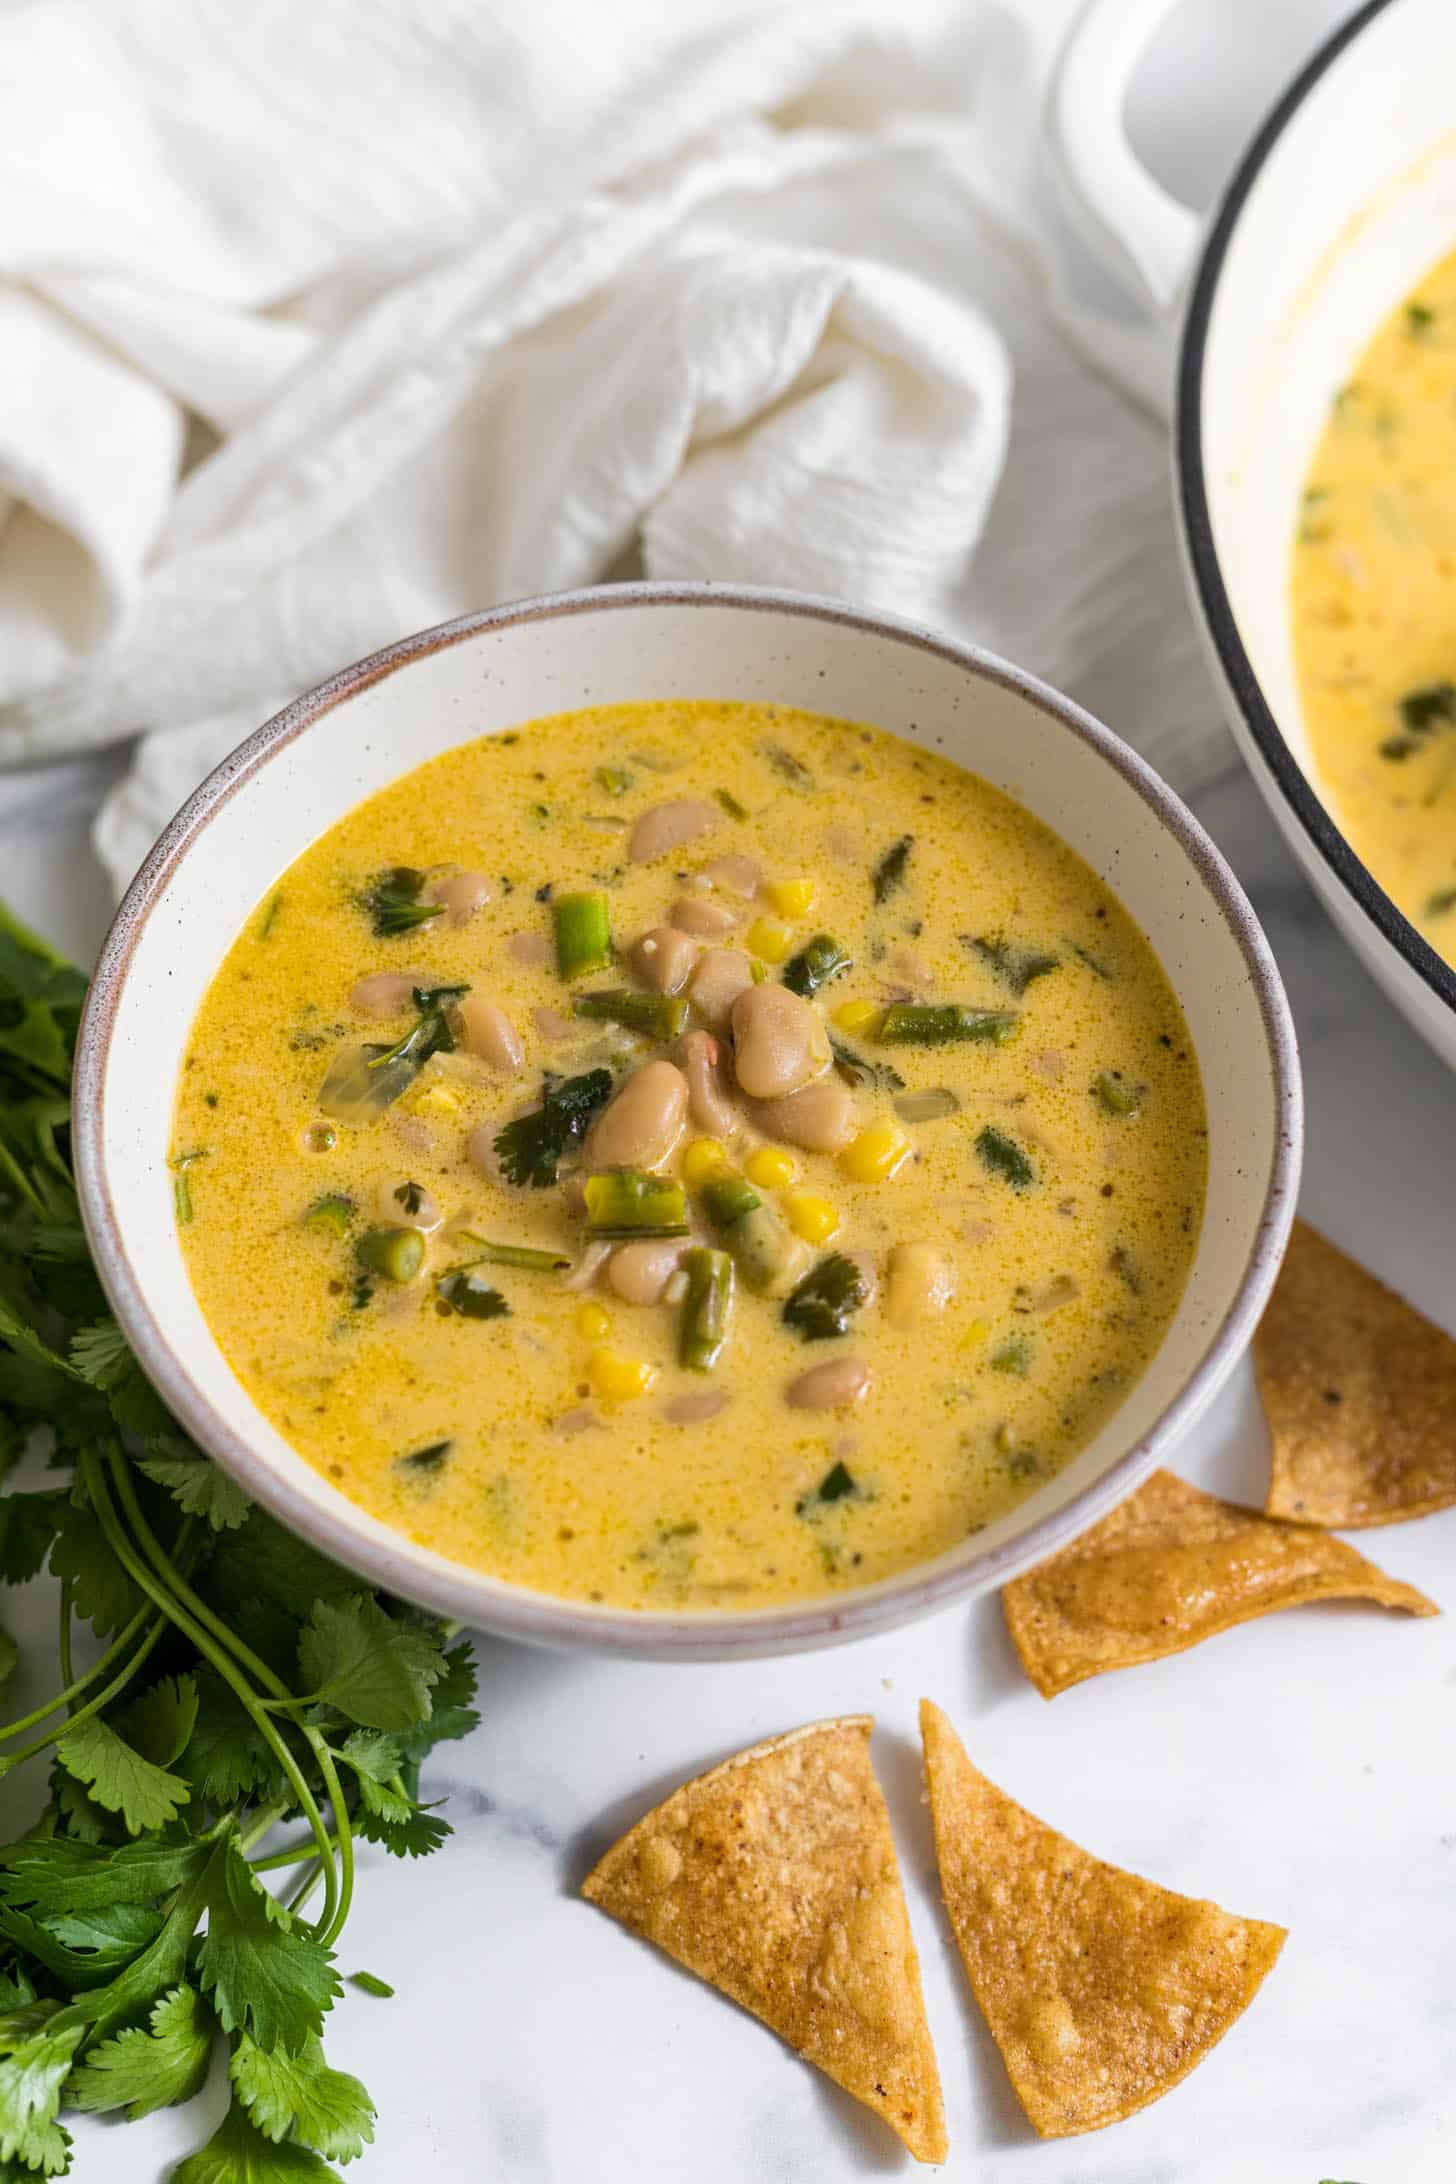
[[469, 1596]]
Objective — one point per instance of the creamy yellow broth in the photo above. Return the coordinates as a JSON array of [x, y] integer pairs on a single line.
[[1374, 607], [1056, 1197]]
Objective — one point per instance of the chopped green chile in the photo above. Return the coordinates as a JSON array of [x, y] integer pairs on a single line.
[[837, 1484], [583, 929], [396, 1254], [946, 1023], [660, 1015], [333, 1213], [1014, 966], [1004, 1157], [426, 1461], [930, 1106], [816, 963], [471, 1297], [889, 873], [1115, 1095], [707, 1308], [521, 1255], [626, 1204], [827, 1299]]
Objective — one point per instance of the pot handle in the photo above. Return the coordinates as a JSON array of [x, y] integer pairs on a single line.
[[1131, 224]]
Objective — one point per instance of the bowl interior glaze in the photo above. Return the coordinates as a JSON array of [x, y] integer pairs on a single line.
[[310, 765]]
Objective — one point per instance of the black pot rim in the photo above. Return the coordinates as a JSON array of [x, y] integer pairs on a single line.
[[1314, 818]]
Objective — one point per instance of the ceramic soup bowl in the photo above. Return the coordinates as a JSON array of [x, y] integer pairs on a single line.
[[305, 769], [1343, 200]]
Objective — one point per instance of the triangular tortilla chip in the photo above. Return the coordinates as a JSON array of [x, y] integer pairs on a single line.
[[1170, 1567], [1360, 1392], [773, 1877], [1101, 1990]]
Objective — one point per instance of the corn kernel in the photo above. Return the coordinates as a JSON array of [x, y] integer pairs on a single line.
[[855, 1015], [592, 1323], [769, 939], [701, 1158], [618, 1379], [769, 1168], [791, 898], [428, 1096], [977, 1331], [812, 1218], [876, 1153]]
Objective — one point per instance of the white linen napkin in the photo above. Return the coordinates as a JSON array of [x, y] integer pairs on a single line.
[[319, 325]]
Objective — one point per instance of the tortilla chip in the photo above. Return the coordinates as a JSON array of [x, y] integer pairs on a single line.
[[1101, 1990], [773, 1877], [1170, 1567], [1360, 1392]]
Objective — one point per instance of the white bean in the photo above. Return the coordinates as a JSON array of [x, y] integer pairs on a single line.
[[703, 1062], [663, 957], [694, 1410], [779, 1042], [820, 1119], [667, 826], [919, 1284], [832, 1386], [460, 895], [740, 876], [488, 1033], [532, 948], [386, 993], [640, 1126], [639, 1273], [721, 976], [709, 920], [401, 1203]]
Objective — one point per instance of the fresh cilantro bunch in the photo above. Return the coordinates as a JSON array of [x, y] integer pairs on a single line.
[[234, 1682]]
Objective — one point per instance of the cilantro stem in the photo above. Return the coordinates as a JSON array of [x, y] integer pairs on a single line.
[[21, 1180], [292, 1854], [68, 1665], [72, 1690], [164, 1596], [93, 1706], [340, 1883]]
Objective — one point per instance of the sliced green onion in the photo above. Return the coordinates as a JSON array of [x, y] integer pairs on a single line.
[[819, 960], [727, 1197], [627, 1203], [614, 779], [661, 1015], [333, 1213], [706, 1309], [522, 1255], [1114, 1095], [395, 1253], [730, 804], [182, 1188], [907, 1023], [583, 933]]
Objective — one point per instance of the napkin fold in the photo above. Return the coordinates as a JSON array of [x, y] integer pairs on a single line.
[[317, 326]]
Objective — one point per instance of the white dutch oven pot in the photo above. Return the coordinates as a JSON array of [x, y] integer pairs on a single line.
[[1343, 200]]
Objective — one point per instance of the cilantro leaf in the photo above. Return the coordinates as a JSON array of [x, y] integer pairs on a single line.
[[260, 1561], [28, 1524], [530, 1148], [160, 1723], [77, 1811], [144, 2069], [227, 1754], [265, 1974], [104, 1595], [99, 1353], [375, 1670], [32, 2071], [199, 1486], [57, 1875], [120, 1778], [403, 1829], [238, 2154], [301, 2096], [452, 1714], [107, 1937]]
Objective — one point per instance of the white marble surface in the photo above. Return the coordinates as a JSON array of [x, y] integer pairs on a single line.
[[1301, 1769]]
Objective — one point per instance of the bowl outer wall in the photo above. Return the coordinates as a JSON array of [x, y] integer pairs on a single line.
[[304, 769]]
